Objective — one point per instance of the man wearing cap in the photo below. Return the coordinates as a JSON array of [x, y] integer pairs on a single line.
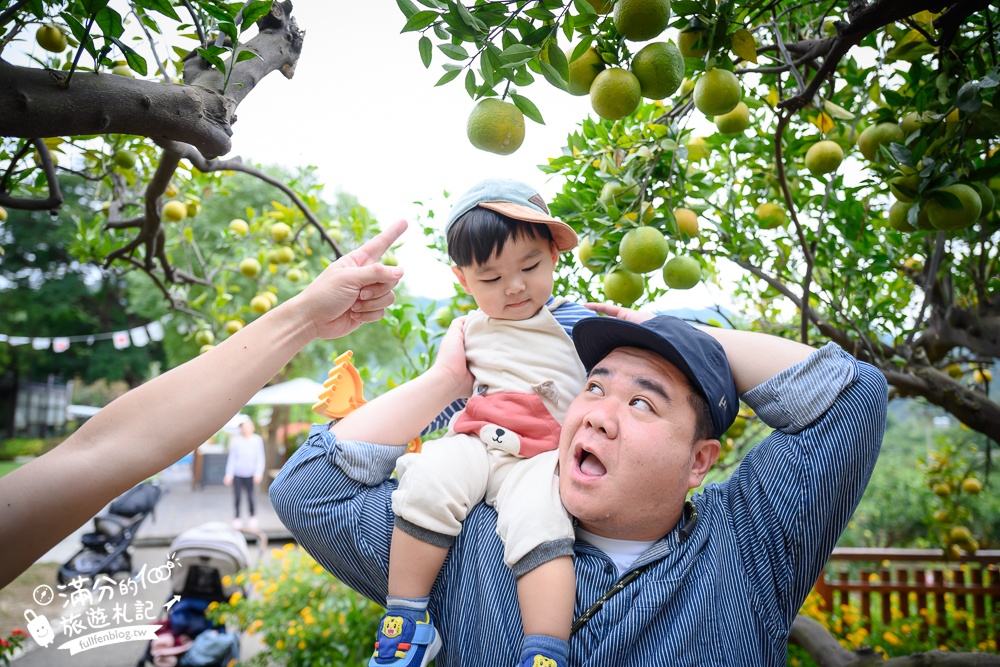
[[661, 579]]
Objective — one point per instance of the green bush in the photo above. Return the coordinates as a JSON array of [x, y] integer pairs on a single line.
[[11, 449], [304, 616]]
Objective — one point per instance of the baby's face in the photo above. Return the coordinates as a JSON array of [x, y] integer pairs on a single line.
[[515, 284]]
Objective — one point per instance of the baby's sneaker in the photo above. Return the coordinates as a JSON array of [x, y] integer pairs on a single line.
[[539, 660], [404, 641]]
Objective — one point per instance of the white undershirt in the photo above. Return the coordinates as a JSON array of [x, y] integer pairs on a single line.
[[622, 552]]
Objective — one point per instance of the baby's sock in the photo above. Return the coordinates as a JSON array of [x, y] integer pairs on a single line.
[[550, 647], [412, 607]]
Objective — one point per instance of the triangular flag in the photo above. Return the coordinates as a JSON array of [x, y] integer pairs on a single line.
[[40, 343], [155, 330], [120, 339], [60, 344], [139, 336]]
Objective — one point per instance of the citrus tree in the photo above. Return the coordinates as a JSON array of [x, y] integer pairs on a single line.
[[836, 160], [832, 164]]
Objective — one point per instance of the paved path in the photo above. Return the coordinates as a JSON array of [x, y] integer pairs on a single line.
[[180, 507]]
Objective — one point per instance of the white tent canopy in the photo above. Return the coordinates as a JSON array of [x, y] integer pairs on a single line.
[[300, 391]]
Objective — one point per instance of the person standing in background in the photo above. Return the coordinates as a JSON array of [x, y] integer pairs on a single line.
[[245, 468]]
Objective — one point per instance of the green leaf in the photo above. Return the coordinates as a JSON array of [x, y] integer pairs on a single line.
[[426, 49], [470, 84], [743, 45], [584, 7], [407, 7], [969, 100], [420, 20], [246, 54], [215, 60], [110, 22], [518, 54], [134, 60], [454, 51], [558, 60], [217, 13], [91, 7], [255, 12], [161, 6], [527, 107], [836, 111], [553, 77], [470, 20], [448, 76]]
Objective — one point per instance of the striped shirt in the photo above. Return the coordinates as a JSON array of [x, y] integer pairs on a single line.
[[725, 596], [566, 315]]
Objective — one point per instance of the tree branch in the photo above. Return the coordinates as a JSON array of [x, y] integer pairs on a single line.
[[55, 198]]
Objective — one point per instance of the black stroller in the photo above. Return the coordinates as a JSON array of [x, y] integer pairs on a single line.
[[107, 550]]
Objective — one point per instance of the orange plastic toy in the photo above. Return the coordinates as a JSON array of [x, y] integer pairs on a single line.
[[344, 393]]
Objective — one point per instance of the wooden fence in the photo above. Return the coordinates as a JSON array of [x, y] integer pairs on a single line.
[[951, 596]]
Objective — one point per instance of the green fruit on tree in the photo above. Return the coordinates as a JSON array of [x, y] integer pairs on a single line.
[[913, 121], [260, 304], [623, 287], [3, 214], [174, 211], [942, 516], [585, 253], [281, 255], [648, 214], [824, 157], [615, 93], [232, 326], [250, 267], [986, 196], [496, 126], [941, 489], [193, 209], [125, 159], [270, 296], [294, 275], [971, 485], [898, 216], [960, 534], [239, 226], [205, 348], [698, 149], [904, 187], [280, 231], [876, 136], [659, 67], [641, 20], [204, 337], [643, 249], [602, 6], [771, 215], [443, 317], [123, 70], [716, 92], [583, 70], [734, 122], [616, 193], [51, 38], [943, 216], [693, 42], [682, 272], [687, 221]]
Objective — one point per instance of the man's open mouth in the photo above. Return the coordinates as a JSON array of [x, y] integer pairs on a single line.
[[589, 464]]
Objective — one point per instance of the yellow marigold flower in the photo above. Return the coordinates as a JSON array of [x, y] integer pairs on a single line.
[[212, 605], [256, 576], [288, 546], [291, 631], [326, 633], [318, 569], [241, 577], [257, 624], [302, 645], [873, 577], [277, 553], [235, 597], [905, 628], [279, 644], [891, 638], [227, 580], [342, 618]]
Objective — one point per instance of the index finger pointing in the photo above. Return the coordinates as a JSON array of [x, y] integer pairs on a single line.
[[373, 250]]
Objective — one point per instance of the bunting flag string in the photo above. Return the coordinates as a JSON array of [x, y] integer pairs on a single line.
[[138, 336]]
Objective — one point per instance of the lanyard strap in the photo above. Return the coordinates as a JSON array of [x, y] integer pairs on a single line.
[[691, 514]]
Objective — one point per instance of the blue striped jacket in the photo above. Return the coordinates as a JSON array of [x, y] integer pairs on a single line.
[[725, 596]]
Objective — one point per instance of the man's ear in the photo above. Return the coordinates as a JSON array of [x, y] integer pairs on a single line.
[[555, 253], [704, 455], [461, 278]]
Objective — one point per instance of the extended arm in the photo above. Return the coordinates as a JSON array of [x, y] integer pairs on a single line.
[[152, 426], [753, 357]]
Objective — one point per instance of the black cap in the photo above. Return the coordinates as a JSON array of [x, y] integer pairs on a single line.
[[696, 354]]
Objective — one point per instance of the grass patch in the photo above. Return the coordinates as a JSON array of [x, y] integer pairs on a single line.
[[7, 466], [16, 596]]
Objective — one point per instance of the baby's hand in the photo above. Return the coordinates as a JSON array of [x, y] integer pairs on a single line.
[[619, 312]]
